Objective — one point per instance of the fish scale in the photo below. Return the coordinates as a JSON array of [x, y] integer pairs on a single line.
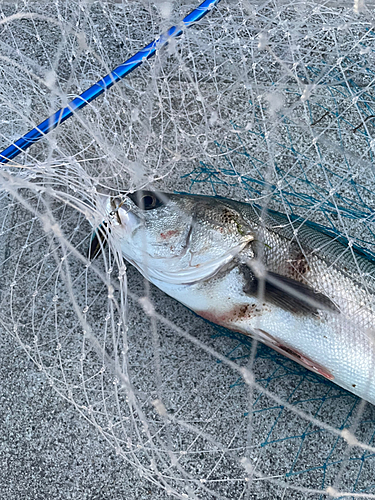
[[288, 283]]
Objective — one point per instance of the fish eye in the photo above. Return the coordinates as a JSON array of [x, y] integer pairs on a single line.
[[146, 200]]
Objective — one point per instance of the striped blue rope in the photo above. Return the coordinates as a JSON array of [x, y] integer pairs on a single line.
[[104, 84]]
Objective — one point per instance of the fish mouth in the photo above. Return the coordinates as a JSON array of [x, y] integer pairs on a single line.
[[98, 241], [117, 215]]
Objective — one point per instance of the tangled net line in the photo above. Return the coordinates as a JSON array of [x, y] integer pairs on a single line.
[[272, 104]]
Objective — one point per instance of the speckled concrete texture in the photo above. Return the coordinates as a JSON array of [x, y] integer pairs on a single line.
[[68, 429]]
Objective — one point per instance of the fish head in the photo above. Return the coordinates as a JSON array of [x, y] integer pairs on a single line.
[[177, 238]]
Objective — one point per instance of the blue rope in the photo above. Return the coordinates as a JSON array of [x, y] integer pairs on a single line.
[[104, 84]]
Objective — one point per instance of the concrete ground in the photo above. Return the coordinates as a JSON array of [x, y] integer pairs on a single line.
[[66, 431]]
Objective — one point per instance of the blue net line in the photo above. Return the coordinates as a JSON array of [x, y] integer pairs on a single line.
[[310, 195], [284, 369], [317, 198]]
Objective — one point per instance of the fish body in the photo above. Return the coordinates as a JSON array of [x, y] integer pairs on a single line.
[[285, 283]]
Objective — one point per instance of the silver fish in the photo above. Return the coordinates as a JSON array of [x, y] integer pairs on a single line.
[[288, 283]]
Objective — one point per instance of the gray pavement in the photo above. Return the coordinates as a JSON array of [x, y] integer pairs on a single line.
[[67, 428]]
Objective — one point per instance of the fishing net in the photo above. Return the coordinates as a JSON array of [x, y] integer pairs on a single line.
[[271, 103]]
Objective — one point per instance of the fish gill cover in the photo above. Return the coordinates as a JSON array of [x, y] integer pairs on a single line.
[[272, 103]]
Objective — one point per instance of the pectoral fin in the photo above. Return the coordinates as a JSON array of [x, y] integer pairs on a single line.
[[287, 293], [98, 241]]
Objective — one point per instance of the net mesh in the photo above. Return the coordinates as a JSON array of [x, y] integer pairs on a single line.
[[271, 103]]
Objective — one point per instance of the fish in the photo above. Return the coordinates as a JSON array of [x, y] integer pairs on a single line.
[[288, 282]]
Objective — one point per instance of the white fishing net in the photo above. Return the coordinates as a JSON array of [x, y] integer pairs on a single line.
[[272, 103]]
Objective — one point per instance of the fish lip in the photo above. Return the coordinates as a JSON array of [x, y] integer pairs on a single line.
[[119, 213], [98, 241], [128, 220], [114, 213]]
